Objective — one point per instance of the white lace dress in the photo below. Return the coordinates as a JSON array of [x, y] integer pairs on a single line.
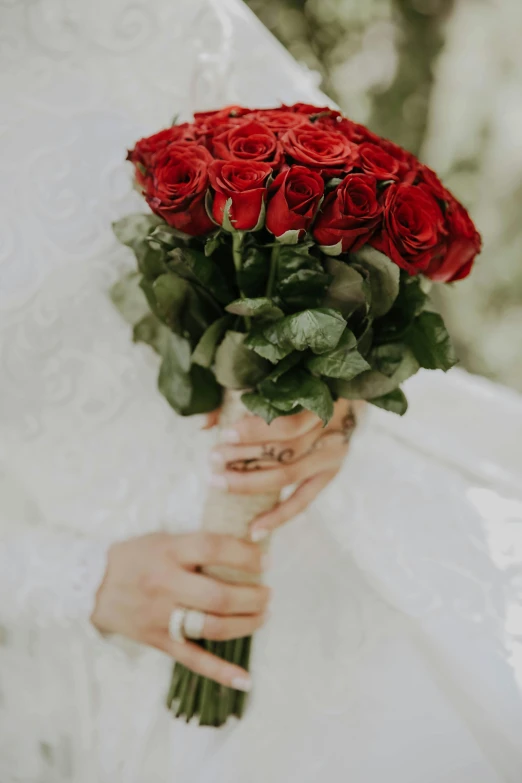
[[394, 647]]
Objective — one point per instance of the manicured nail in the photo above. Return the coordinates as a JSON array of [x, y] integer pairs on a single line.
[[215, 480], [258, 534], [216, 459], [230, 436], [242, 684]]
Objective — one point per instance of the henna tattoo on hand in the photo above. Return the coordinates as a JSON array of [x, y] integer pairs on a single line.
[[269, 455]]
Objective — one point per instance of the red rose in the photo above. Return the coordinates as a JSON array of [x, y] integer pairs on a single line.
[[145, 148], [244, 183], [177, 185], [413, 231], [428, 177], [350, 214], [295, 196], [376, 161], [321, 149], [352, 131], [230, 115], [279, 121], [408, 164], [208, 124], [464, 243], [249, 141], [307, 108]]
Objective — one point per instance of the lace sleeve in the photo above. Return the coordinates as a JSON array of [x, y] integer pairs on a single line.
[[47, 576]]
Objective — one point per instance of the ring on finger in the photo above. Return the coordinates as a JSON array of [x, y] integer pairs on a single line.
[[193, 624], [176, 625]]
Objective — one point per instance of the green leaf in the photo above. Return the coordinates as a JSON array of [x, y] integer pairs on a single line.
[[213, 242], [332, 250], [304, 289], [395, 402], [387, 358], [290, 237], [179, 304], [134, 229], [430, 342], [150, 331], [206, 348], [194, 265], [384, 279], [299, 388], [409, 304], [344, 361], [174, 379], [236, 366], [260, 406], [128, 298], [188, 389], [256, 341], [372, 383], [170, 293], [293, 258], [151, 261], [284, 365], [167, 237], [253, 275], [206, 395], [319, 329], [365, 336], [349, 291], [260, 306]]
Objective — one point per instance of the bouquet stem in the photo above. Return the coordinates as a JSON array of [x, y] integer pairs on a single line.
[[191, 694]]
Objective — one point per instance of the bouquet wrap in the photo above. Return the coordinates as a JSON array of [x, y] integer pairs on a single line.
[[232, 514]]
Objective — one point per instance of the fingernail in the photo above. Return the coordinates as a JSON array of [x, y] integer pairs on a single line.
[[215, 480], [216, 459], [229, 436], [258, 534], [242, 684]]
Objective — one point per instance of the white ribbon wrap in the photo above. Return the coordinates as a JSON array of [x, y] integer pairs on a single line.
[[230, 514]]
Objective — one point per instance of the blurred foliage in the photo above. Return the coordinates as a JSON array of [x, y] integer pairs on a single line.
[[444, 79]]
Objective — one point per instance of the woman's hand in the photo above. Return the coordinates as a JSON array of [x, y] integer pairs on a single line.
[[257, 457], [150, 576]]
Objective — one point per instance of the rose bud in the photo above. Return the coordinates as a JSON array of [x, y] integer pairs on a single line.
[[350, 215], [413, 231], [464, 243], [320, 149], [249, 141], [145, 148], [177, 186], [295, 195], [240, 192]]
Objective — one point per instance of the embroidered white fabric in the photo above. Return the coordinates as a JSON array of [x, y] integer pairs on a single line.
[[393, 650]]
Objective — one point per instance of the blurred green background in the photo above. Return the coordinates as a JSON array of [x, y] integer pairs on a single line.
[[444, 79]]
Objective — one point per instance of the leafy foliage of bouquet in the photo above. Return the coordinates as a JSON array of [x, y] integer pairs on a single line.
[[289, 254]]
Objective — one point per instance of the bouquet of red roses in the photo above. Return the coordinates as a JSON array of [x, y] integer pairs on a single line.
[[288, 255]]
